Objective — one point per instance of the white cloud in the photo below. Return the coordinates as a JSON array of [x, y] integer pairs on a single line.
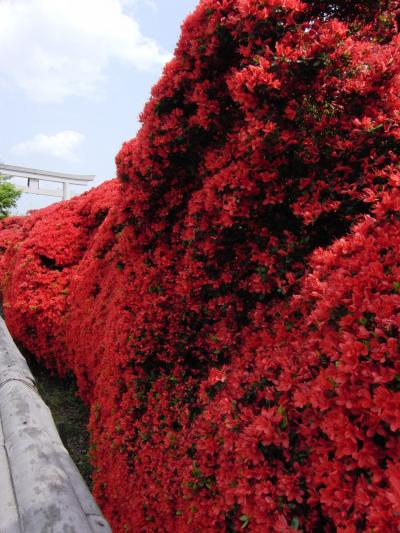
[[53, 49], [62, 145]]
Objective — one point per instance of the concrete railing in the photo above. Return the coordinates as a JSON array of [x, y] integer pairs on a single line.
[[41, 490]]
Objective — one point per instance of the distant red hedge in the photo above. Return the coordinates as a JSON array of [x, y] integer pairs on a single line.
[[230, 305]]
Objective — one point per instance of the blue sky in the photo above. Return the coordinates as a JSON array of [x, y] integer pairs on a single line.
[[74, 76]]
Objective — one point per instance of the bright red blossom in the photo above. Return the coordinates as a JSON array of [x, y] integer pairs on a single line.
[[230, 305]]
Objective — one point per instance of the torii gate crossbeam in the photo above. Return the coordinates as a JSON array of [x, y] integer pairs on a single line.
[[34, 176]]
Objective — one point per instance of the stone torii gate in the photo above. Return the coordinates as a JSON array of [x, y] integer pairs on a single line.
[[34, 176]]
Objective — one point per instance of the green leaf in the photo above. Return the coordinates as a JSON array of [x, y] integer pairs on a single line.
[[245, 519], [295, 523], [9, 195], [331, 381], [375, 128]]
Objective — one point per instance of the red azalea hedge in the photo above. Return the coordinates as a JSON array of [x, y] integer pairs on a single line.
[[231, 305]]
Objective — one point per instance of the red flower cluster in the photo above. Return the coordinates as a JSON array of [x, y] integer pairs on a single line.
[[231, 305]]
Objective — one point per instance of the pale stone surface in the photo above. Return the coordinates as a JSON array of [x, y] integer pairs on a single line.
[[34, 176], [41, 490], [9, 521]]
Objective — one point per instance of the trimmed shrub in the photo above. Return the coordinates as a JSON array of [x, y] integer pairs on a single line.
[[230, 304]]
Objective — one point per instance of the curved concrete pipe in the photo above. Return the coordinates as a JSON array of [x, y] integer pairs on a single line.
[[41, 490]]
